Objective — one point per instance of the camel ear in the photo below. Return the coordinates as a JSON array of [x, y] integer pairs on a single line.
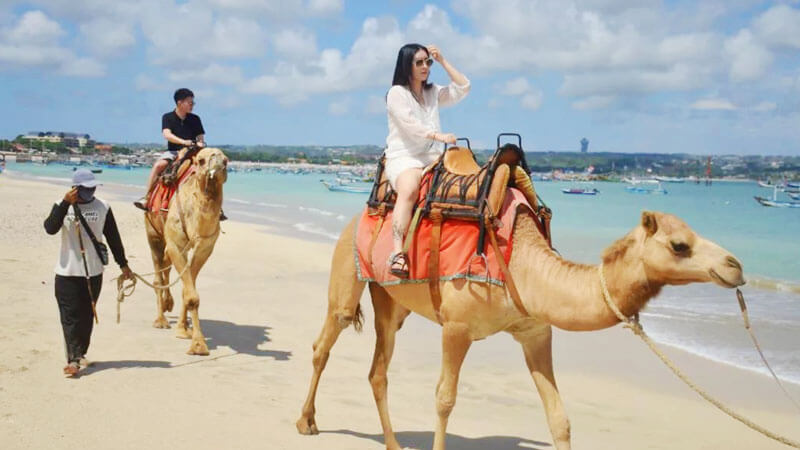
[[649, 222]]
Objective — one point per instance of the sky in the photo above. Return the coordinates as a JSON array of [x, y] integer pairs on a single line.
[[700, 77]]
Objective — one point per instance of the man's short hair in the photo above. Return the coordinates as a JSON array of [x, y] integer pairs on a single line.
[[182, 94]]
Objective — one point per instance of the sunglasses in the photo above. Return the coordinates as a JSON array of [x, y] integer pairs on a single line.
[[427, 62]]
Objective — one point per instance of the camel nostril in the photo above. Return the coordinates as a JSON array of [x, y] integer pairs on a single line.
[[733, 262]]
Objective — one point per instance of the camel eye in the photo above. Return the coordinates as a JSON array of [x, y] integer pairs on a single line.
[[202, 162], [679, 247]]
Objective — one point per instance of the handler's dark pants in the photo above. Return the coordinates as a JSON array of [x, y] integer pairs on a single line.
[[75, 306]]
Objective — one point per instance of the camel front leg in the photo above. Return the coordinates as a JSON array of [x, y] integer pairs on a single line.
[[191, 303], [537, 346], [389, 318], [455, 344]]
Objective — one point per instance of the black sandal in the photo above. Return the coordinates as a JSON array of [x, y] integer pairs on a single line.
[[399, 259]]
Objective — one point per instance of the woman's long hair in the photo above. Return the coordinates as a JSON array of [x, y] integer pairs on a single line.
[[405, 59]]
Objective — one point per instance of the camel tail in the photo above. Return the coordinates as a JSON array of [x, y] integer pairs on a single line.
[[358, 320]]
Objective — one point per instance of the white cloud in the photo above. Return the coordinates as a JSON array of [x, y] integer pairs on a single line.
[[34, 28], [295, 44], [594, 102], [764, 107], [517, 86], [33, 42], [212, 74], [532, 100], [779, 26], [105, 37], [339, 108], [713, 104], [749, 59], [323, 7]]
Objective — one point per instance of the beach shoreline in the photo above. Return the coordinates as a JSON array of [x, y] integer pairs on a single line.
[[261, 308]]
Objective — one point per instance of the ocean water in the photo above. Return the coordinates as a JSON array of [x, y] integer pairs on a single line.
[[702, 319]]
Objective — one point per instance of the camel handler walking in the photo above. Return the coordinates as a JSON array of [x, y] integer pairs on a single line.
[[79, 270]]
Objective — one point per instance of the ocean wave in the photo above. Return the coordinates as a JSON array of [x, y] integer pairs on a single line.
[[771, 284], [236, 200], [730, 358], [321, 212], [307, 227], [272, 205]]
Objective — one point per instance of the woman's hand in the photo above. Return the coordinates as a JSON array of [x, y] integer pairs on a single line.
[[448, 138], [435, 53]]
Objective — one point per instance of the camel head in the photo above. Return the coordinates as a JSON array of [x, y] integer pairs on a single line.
[[211, 168], [672, 253]]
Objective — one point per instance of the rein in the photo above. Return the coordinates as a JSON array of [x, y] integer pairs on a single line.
[[636, 327]]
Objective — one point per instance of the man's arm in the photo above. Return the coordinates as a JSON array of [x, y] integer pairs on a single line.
[[170, 137], [55, 220], [111, 233]]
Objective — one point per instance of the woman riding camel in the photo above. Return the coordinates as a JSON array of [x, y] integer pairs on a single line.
[[415, 138]]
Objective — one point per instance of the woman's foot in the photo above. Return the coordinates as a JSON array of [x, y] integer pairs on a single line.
[[398, 265]]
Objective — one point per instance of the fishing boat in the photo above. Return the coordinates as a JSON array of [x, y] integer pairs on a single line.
[[765, 185], [580, 191], [793, 185], [349, 187], [640, 187], [670, 179], [774, 202], [794, 195]]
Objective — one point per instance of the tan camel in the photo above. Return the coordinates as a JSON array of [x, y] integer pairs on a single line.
[[661, 250], [190, 227]]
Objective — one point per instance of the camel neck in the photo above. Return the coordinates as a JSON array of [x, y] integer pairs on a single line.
[[569, 295]]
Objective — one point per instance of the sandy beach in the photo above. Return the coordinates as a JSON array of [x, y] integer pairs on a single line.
[[262, 302]]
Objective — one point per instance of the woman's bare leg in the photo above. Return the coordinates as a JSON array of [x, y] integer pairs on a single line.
[[407, 191]]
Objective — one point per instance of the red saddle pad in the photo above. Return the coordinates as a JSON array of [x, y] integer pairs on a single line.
[[457, 258]]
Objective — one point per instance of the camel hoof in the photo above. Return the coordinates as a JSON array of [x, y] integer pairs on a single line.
[[183, 333], [161, 323], [199, 348], [306, 426]]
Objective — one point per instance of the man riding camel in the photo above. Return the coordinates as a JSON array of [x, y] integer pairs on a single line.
[[181, 129]]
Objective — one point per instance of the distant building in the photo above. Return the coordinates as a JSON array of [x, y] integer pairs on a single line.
[[69, 139], [584, 145]]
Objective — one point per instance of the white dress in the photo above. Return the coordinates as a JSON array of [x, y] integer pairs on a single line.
[[407, 145]]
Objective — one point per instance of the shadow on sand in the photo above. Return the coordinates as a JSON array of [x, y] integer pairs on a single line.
[[240, 338], [98, 366], [424, 439]]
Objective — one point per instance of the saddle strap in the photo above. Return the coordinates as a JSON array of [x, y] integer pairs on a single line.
[[433, 261], [375, 232], [512, 288]]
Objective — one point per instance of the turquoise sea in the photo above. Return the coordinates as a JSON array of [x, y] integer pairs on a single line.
[[702, 319]]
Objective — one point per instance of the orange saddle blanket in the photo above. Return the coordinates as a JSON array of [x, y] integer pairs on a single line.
[[457, 258], [162, 193]]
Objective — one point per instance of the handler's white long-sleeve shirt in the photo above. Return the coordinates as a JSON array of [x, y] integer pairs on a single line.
[[410, 122]]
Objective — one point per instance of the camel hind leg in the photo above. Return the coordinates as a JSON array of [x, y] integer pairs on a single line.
[[344, 294], [389, 318], [161, 264]]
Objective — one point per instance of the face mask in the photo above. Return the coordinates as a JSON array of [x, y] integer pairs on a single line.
[[85, 195]]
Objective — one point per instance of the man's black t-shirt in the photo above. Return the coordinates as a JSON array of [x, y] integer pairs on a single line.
[[188, 128]]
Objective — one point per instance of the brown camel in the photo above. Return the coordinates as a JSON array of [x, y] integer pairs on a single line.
[[661, 250], [190, 226]]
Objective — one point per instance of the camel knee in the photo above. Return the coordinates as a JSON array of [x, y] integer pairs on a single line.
[[560, 429], [378, 381], [192, 303], [320, 359], [445, 400]]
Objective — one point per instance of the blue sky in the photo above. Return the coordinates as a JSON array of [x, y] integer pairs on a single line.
[[630, 75]]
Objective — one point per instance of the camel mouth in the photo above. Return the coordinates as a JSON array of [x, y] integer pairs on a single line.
[[722, 281]]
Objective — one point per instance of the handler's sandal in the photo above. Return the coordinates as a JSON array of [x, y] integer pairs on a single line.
[[141, 203], [84, 363], [71, 369]]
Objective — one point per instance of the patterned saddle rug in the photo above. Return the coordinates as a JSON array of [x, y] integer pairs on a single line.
[[168, 182], [457, 257]]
